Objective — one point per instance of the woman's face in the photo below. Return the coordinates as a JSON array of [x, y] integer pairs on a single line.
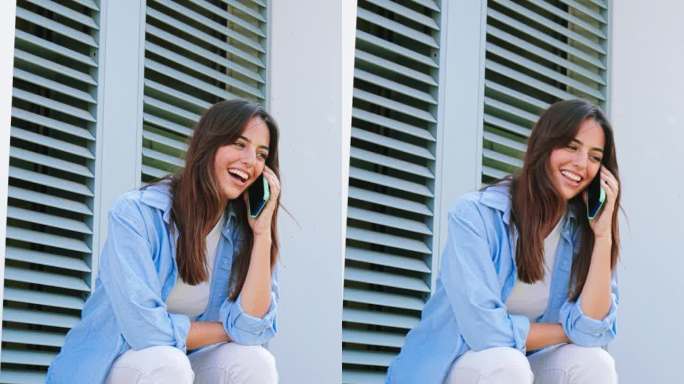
[[572, 168], [237, 165]]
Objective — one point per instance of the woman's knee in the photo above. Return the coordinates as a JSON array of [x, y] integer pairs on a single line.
[[593, 363], [174, 362], [241, 364], [257, 364], [507, 364], [510, 363], [158, 364]]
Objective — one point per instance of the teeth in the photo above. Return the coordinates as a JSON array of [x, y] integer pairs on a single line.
[[239, 173], [571, 175]]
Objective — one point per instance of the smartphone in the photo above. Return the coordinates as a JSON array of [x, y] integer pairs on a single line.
[[258, 196], [596, 197]]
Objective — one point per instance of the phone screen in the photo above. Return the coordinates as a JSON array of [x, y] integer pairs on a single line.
[[258, 196], [595, 197]]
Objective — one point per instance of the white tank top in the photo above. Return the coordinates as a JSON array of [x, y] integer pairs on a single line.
[[531, 299], [191, 300]]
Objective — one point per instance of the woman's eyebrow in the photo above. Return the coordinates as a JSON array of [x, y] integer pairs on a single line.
[[591, 149], [249, 141]]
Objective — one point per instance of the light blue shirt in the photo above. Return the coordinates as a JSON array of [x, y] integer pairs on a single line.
[[467, 310], [137, 271]]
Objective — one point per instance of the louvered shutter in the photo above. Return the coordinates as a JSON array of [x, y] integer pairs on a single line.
[[538, 52], [391, 181], [51, 182], [196, 54]]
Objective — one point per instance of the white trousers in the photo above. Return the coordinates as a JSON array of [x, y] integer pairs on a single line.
[[563, 364], [226, 363]]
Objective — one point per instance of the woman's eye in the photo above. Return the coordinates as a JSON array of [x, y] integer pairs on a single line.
[[572, 147], [239, 144], [262, 156], [597, 159]]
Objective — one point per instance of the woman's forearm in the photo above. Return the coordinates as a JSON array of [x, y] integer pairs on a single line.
[[204, 333], [544, 334], [595, 296], [256, 292]]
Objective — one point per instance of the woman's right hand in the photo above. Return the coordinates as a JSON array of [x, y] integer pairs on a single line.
[[545, 334], [205, 333], [261, 225], [602, 225]]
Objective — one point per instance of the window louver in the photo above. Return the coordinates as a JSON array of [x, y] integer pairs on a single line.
[[196, 54], [391, 181], [51, 182], [538, 52]]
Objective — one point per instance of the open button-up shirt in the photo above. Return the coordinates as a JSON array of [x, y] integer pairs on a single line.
[[467, 310], [136, 274]]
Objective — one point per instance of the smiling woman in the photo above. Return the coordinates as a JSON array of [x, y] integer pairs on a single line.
[[187, 287], [526, 290], [586, 150]]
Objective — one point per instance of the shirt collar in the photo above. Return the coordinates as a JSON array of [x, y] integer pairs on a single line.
[[498, 196], [158, 195]]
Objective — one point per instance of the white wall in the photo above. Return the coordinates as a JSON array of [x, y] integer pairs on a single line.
[[311, 63], [459, 143], [120, 103], [7, 10], [648, 115]]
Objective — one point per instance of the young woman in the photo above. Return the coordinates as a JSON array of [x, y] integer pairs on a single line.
[[186, 287], [526, 290]]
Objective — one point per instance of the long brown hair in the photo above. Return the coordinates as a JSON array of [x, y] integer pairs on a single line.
[[197, 201], [536, 203]]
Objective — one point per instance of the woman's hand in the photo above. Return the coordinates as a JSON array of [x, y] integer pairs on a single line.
[[545, 334], [596, 293], [203, 333], [602, 225], [256, 292], [262, 224]]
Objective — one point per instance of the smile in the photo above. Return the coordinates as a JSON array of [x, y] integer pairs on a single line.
[[571, 176], [238, 174]]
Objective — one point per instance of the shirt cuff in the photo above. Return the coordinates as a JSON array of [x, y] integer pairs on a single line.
[[181, 328], [244, 328], [521, 328], [583, 330]]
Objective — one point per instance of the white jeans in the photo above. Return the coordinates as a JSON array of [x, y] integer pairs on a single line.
[[226, 363], [563, 364]]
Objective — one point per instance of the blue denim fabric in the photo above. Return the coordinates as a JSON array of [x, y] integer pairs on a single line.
[[137, 271], [467, 310]]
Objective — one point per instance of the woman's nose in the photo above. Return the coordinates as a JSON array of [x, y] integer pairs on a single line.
[[581, 159], [248, 157]]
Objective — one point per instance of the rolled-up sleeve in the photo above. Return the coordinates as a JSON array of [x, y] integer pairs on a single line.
[[130, 281], [246, 329], [471, 284], [585, 331]]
